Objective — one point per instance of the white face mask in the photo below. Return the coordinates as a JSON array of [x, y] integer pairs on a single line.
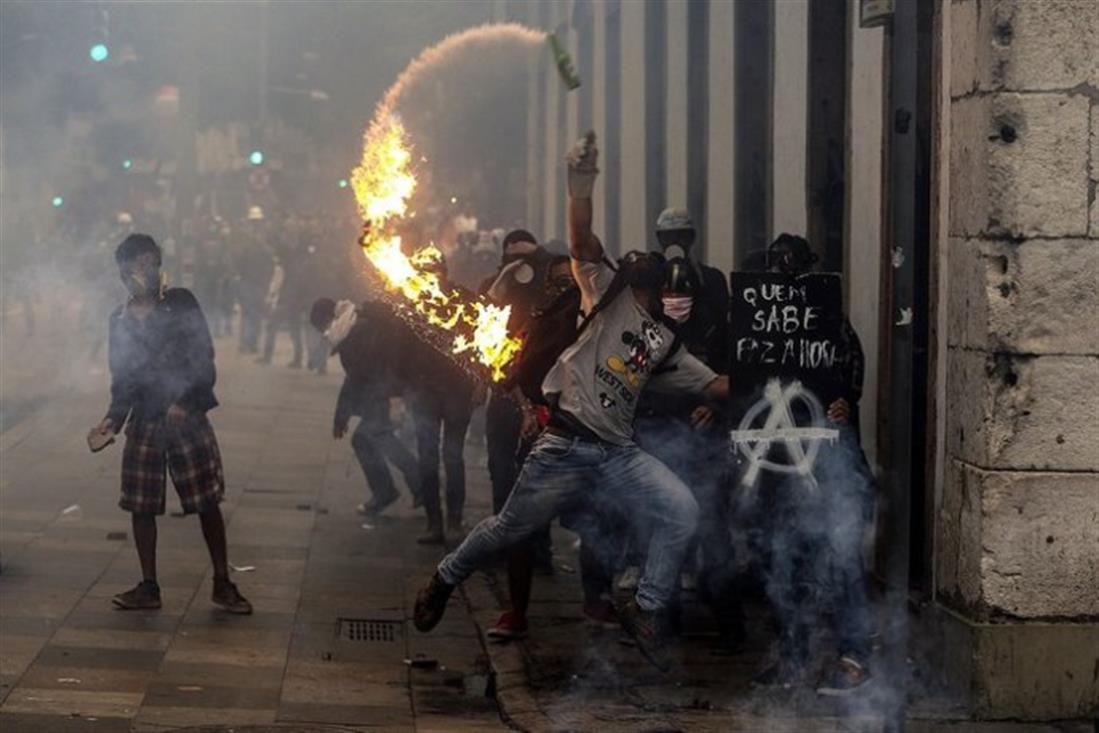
[[678, 307], [344, 319]]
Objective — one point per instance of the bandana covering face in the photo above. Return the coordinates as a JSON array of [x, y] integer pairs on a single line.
[[678, 307], [342, 323]]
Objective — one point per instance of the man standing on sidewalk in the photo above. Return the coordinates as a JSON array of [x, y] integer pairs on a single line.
[[162, 384], [369, 340], [587, 453]]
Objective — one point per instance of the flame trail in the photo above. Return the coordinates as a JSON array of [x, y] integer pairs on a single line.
[[475, 329]]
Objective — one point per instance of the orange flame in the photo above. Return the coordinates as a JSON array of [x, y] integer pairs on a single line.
[[383, 184]]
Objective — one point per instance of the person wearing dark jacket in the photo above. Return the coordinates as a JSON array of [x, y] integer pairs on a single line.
[[812, 537], [371, 343], [688, 435], [518, 283], [162, 385], [443, 398]]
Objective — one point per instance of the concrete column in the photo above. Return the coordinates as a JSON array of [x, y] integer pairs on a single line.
[[552, 166], [632, 155], [719, 206], [863, 221], [675, 144], [1017, 526], [599, 109], [790, 110]]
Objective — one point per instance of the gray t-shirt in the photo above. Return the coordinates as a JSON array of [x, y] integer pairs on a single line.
[[599, 378]]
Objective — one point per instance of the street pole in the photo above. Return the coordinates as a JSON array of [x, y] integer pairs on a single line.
[[264, 13], [903, 151]]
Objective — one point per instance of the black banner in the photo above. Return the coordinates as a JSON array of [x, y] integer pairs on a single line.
[[787, 327]]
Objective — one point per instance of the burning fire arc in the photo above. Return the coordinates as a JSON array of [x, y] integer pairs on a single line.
[[469, 329]]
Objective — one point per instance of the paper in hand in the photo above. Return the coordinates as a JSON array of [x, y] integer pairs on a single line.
[[97, 441]]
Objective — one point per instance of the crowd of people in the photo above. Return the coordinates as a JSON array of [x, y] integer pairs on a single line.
[[614, 420]]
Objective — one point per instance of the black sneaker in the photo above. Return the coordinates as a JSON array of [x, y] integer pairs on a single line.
[[378, 504], [433, 535], [144, 595], [228, 597], [777, 674], [645, 628], [843, 678], [431, 603]]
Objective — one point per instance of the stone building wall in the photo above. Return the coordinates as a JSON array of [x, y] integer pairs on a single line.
[[1017, 525]]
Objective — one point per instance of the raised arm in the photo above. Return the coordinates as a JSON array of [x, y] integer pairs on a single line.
[[582, 171]]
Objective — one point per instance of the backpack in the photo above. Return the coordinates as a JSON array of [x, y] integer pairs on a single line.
[[554, 329]]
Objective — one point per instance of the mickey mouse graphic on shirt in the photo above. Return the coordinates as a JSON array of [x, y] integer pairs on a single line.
[[640, 348]]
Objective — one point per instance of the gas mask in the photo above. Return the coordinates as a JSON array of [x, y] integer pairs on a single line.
[[790, 255], [676, 243], [679, 287]]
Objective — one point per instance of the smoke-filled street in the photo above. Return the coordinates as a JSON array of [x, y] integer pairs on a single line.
[[549, 365], [71, 662], [311, 565]]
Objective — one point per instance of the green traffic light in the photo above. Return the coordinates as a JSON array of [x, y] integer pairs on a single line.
[[256, 158], [57, 201], [343, 183], [99, 52], [127, 164]]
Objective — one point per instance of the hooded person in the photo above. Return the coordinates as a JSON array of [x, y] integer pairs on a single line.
[[371, 344], [517, 282], [686, 433], [810, 538]]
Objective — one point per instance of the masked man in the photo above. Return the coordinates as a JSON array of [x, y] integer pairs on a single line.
[[812, 539], [162, 385], [688, 435], [369, 341], [587, 454]]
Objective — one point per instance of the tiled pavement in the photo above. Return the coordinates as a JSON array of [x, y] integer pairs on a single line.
[[68, 662]]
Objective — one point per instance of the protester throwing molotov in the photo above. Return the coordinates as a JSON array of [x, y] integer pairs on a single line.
[[586, 454]]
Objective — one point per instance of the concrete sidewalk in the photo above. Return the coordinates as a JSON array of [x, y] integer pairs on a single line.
[[329, 638], [329, 641]]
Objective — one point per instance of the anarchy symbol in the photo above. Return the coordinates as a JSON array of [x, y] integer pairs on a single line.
[[802, 443]]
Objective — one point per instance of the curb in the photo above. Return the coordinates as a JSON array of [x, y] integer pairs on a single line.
[[518, 707]]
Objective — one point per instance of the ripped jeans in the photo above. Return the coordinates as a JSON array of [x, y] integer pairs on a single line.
[[563, 474]]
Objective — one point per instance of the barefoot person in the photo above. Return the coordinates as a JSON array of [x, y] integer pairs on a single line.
[[162, 385], [586, 455]]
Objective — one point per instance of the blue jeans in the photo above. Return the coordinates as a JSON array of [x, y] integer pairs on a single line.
[[563, 474]]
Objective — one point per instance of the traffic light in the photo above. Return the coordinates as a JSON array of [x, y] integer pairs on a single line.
[[57, 201], [343, 183], [99, 52], [127, 164], [256, 158]]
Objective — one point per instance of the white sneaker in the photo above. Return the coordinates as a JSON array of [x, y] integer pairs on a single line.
[[629, 578]]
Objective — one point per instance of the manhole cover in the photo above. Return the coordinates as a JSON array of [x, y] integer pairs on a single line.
[[368, 630]]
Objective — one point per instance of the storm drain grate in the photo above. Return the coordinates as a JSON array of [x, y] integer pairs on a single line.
[[368, 630]]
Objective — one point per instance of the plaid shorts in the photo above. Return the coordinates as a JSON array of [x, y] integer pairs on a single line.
[[189, 452]]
